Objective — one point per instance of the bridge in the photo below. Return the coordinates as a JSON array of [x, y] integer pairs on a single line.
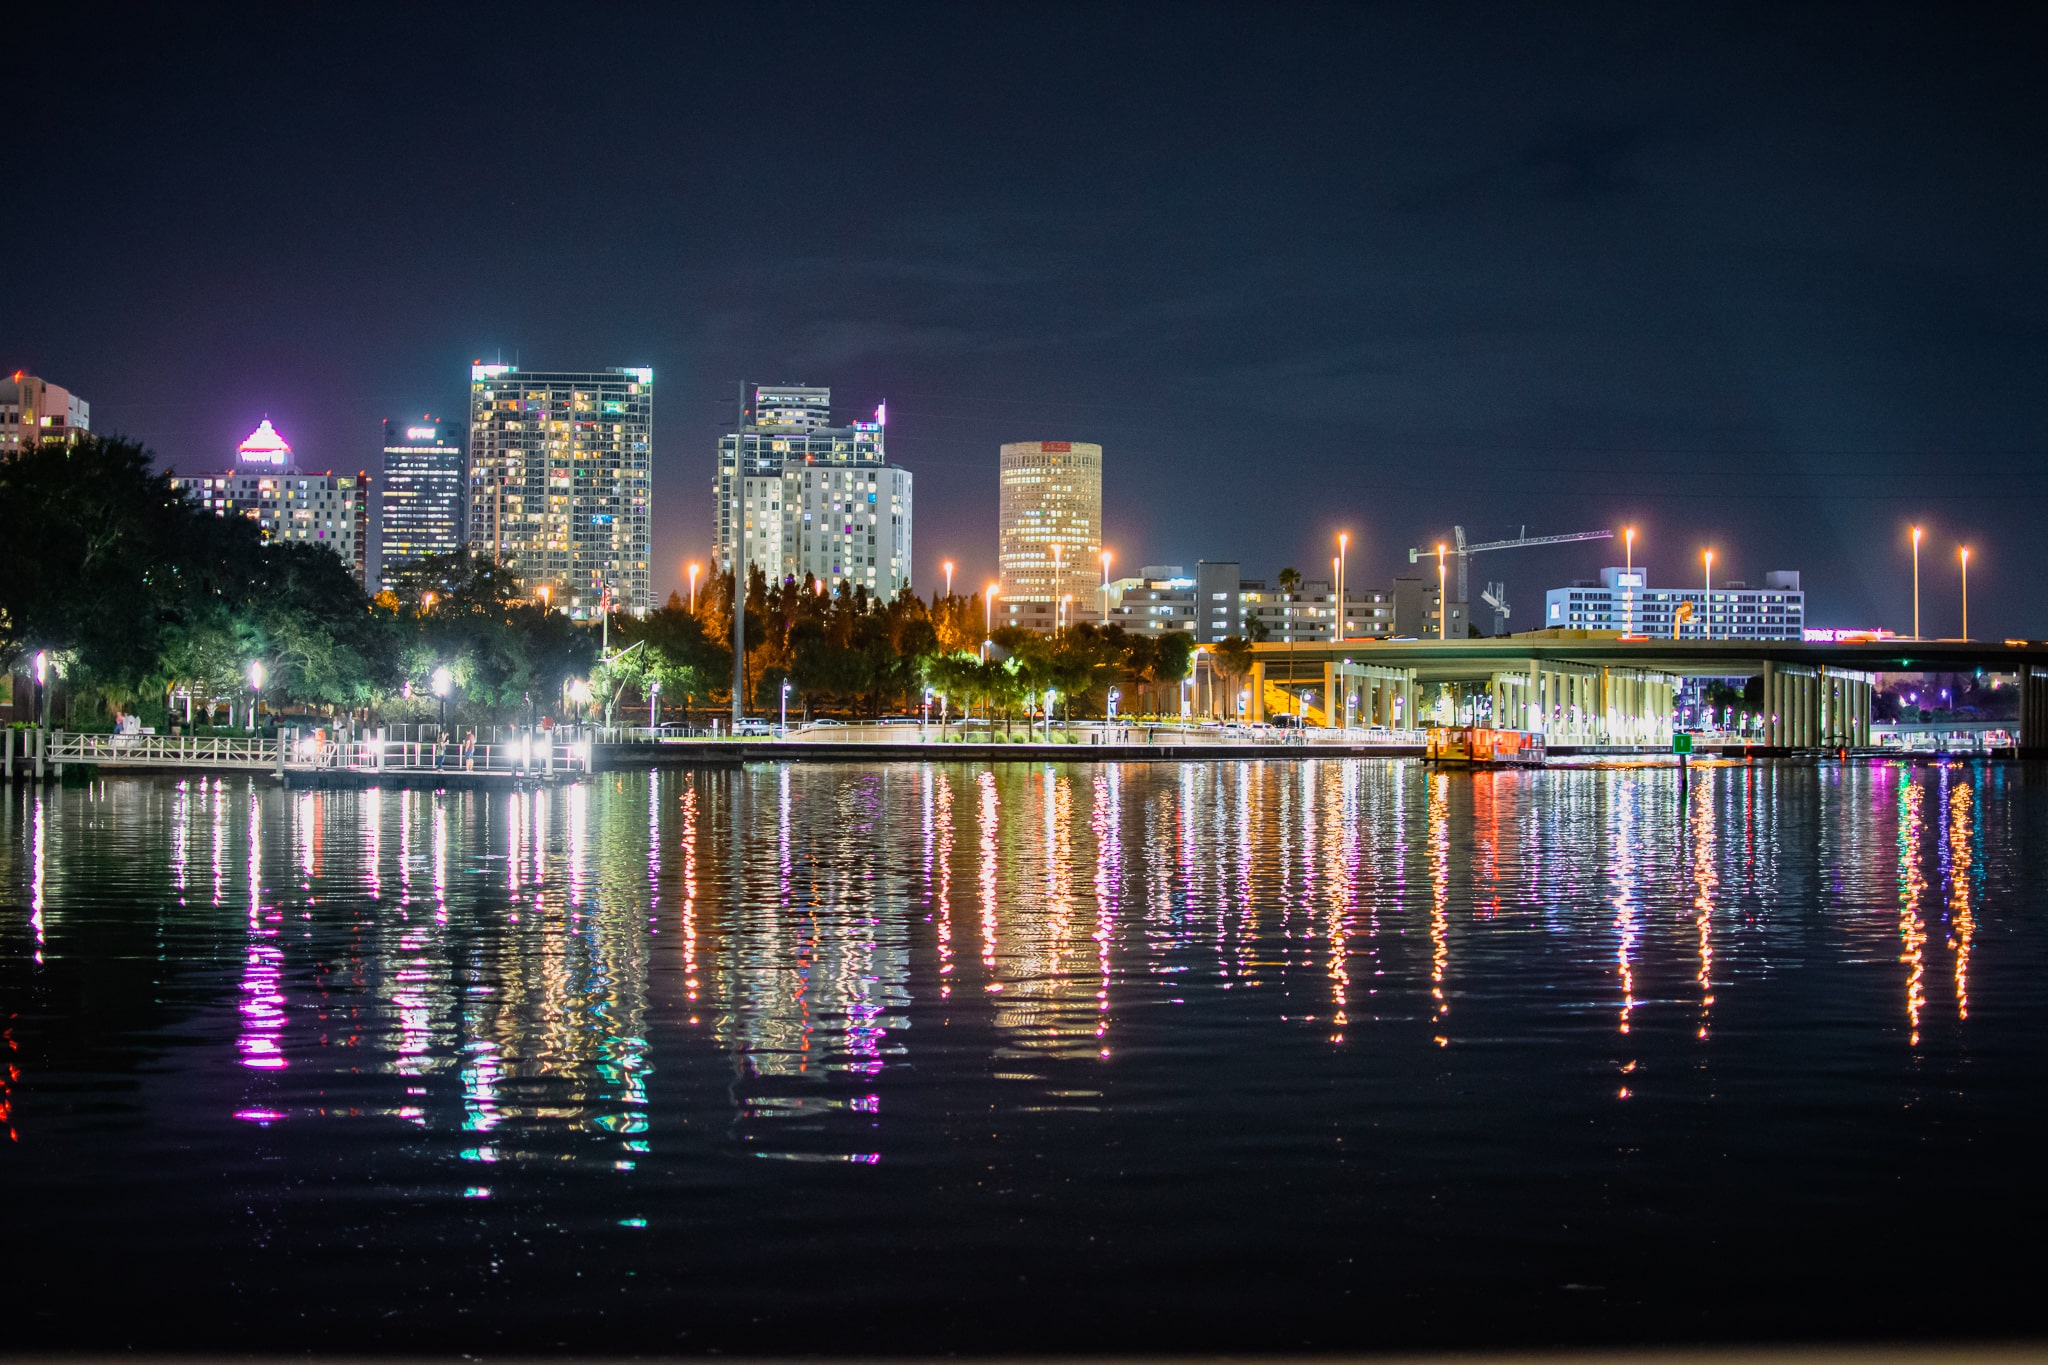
[[1597, 687]]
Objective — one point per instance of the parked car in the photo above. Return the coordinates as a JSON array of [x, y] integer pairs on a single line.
[[898, 720], [751, 727]]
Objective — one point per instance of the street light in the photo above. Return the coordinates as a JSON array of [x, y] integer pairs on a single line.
[[1066, 608], [785, 706], [1965, 551], [1916, 581], [1443, 608], [255, 687], [1337, 576], [1343, 548], [545, 593], [1708, 600], [949, 580], [695, 569], [1628, 586], [988, 629], [653, 703], [1105, 587], [443, 680]]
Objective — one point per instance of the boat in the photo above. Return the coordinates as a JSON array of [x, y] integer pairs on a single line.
[[1476, 746]]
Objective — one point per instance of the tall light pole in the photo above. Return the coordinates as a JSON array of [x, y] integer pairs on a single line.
[[1628, 586], [695, 569], [1708, 600], [443, 680], [1443, 608], [988, 627], [1059, 620], [1106, 557], [543, 599], [256, 691], [653, 703], [1965, 552], [785, 706], [1337, 574], [1343, 548], [1916, 582], [949, 580]]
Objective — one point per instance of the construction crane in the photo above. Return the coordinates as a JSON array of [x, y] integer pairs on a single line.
[[1495, 594]]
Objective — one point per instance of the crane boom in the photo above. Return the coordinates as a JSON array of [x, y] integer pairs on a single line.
[[1523, 542]]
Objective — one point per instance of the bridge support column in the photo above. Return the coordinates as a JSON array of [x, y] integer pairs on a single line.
[[1256, 708]]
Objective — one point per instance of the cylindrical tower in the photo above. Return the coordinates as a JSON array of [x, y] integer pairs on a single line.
[[1052, 496]]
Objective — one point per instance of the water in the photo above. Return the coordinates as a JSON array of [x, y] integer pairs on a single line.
[[1263, 1055]]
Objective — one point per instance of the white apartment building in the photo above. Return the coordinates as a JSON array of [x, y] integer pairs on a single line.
[[33, 410], [796, 497], [1621, 600]]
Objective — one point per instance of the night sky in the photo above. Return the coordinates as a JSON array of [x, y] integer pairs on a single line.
[[1766, 279]]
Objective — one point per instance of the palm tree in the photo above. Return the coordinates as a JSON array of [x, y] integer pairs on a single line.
[[1290, 584]]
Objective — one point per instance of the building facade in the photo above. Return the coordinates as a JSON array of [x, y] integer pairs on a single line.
[[33, 410], [288, 503], [425, 490], [1050, 522], [560, 472], [1227, 604], [1621, 600], [797, 497]]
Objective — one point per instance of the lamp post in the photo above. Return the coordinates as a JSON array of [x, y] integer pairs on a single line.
[[695, 569], [1056, 570], [1105, 587], [988, 625], [256, 692], [1343, 548], [1916, 582], [1337, 577], [544, 595], [43, 686], [1965, 552], [1443, 608], [785, 706], [653, 703], [949, 580], [1628, 585], [1708, 600], [426, 601], [443, 681], [1065, 611]]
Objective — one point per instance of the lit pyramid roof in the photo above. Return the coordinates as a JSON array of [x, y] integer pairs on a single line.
[[265, 446]]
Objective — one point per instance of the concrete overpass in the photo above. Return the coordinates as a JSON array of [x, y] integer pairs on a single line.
[[1597, 687]]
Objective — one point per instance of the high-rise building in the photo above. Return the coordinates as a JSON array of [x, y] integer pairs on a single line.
[[559, 481], [797, 496], [426, 484], [288, 503], [1621, 600], [1051, 521], [33, 410]]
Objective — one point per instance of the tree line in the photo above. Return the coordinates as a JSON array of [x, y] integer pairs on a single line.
[[141, 599]]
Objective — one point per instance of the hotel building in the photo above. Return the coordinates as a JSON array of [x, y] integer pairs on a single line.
[[288, 503]]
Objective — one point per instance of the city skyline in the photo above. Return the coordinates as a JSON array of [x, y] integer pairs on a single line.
[[1593, 271]]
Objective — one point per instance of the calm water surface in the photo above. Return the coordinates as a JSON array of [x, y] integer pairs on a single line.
[[925, 1057]]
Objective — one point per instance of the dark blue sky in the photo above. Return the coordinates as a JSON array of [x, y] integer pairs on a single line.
[[1767, 278]]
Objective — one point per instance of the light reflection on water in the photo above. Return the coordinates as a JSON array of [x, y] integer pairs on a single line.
[[642, 975]]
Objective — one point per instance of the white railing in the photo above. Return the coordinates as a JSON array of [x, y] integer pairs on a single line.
[[529, 755], [161, 751]]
